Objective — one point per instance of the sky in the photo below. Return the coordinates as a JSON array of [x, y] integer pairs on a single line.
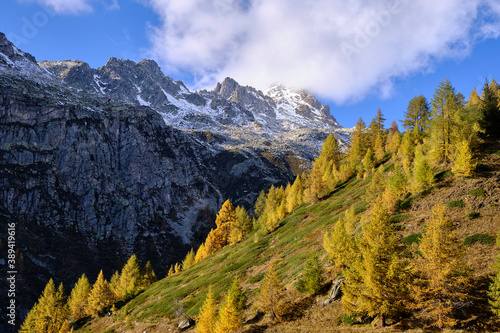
[[354, 55]]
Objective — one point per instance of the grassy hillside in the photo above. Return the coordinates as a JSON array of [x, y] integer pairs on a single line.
[[473, 206]]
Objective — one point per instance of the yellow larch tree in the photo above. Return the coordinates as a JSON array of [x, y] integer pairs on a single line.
[[442, 272], [189, 260], [100, 296], [148, 275], [229, 319], [341, 243], [207, 317], [77, 301], [130, 277], [375, 283], [271, 293], [463, 164]]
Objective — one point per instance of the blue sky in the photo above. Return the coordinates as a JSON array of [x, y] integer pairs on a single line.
[[355, 56]]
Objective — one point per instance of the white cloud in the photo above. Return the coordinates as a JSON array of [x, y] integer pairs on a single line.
[[337, 49], [66, 6]]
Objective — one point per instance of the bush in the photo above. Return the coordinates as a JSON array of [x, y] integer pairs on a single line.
[[413, 238], [472, 215], [479, 238], [406, 203], [398, 218], [455, 203], [478, 192], [256, 278]]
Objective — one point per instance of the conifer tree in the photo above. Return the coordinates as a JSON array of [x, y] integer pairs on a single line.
[[50, 312], [208, 315], [271, 293], [312, 277], [114, 286], [189, 260], [177, 268], [446, 106], [171, 269], [474, 98], [341, 243], [406, 153], [376, 283], [442, 276], [489, 111], [376, 187], [423, 175], [225, 221], [295, 196], [358, 146], [149, 275], [369, 160], [376, 129], [229, 316], [242, 226], [100, 296], [417, 118], [31, 323], [130, 277], [393, 138], [77, 301], [237, 294], [463, 165]]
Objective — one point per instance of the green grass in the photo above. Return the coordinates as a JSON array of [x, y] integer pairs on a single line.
[[479, 238], [455, 203], [413, 238], [477, 192], [399, 218], [472, 215]]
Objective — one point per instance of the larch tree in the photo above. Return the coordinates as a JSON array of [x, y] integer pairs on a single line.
[[463, 164], [51, 310], [31, 323], [237, 294], [225, 221], [376, 187], [417, 118], [242, 226], [340, 244], [229, 319], [474, 98], [423, 175], [441, 273], [376, 284], [376, 129], [65, 328], [149, 275], [189, 260], [130, 277], [295, 195], [393, 138], [100, 296], [358, 147], [271, 293], [207, 317], [446, 106], [77, 301], [114, 286], [171, 270], [406, 152], [177, 267]]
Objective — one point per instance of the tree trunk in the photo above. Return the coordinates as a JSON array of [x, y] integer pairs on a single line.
[[382, 320]]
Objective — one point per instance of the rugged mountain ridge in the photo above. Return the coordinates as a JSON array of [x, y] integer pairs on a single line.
[[89, 180], [228, 104]]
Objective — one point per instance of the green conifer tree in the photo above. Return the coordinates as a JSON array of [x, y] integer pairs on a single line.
[[237, 294], [417, 118], [489, 111], [312, 276]]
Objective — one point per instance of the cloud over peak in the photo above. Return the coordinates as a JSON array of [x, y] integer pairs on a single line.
[[341, 50]]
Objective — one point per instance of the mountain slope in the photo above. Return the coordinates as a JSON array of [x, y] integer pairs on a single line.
[[159, 307]]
